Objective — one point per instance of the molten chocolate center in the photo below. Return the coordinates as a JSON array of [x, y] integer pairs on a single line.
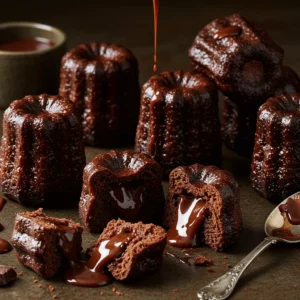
[[227, 31], [128, 201], [190, 216], [26, 44], [91, 273]]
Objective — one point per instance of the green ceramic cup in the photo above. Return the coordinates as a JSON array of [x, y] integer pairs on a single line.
[[29, 72]]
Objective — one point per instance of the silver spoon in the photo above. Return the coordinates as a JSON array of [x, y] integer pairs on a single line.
[[222, 287]]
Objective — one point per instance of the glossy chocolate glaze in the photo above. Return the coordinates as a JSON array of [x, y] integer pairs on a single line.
[[91, 273], [292, 210], [155, 13], [179, 122], [276, 155], [5, 246], [102, 81], [42, 152], [121, 184], [244, 66], [128, 201], [227, 31], [223, 221], [190, 216], [26, 44], [2, 203]]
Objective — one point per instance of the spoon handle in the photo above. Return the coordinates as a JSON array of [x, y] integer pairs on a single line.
[[222, 287]]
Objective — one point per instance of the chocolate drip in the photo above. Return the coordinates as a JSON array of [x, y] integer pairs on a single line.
[[2, 203], [128, 201], [5, 246], [26, 44], [155, 11], [291, 214], [227, 31], [292, 210], [190, 216], [91, 273], [67, 245]]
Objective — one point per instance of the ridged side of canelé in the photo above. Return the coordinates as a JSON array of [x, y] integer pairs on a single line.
[[223, 60], [42, 152], [35, 239], [143, 254], [223, 224], [179, 123], [116, 168], [102, 80], [275, 169]]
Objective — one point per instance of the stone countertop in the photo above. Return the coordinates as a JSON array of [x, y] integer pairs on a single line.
[[275, 273]]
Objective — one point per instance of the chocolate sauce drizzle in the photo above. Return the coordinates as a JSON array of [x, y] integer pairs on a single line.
[[92, 272], [155, 11], [128, 201], [26, 44], [227, 31], [290, 211], [190, 216]]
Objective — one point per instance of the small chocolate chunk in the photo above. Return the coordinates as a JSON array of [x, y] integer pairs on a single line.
[[201, 260], [7, 275]]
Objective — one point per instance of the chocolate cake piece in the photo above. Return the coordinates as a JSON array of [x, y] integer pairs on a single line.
[[239, 56], [275, 169], [44, 243], [7, 275], [144, 252], [202, 207], [123, 185]]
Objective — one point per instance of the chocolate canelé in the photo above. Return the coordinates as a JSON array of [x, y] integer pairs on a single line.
[[276, 155], [239, 56], [45, 244], [202, 207], [42, 153], [179, 122], [123, 185], [102, 81]]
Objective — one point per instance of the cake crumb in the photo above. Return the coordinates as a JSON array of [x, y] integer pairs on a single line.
[[175, 290], [209, 269], [295, 285], [114, 289], [201, 260], [20, 274], [101, 294], [51, 288], [225, 257], [39, 285], [35, 281], [54, 297]]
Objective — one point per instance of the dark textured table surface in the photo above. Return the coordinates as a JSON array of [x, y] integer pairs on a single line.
[[275, 274]]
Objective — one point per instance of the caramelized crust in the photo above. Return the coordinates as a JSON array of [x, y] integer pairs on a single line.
[[246, 65], [179, 123], [276, 158], [223, 223], [42, 153], [102, 80]]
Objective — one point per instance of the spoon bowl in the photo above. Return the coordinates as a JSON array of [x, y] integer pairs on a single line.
[[283, 224]]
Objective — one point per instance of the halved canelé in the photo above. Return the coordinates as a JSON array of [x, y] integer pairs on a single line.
[[202, 207]]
